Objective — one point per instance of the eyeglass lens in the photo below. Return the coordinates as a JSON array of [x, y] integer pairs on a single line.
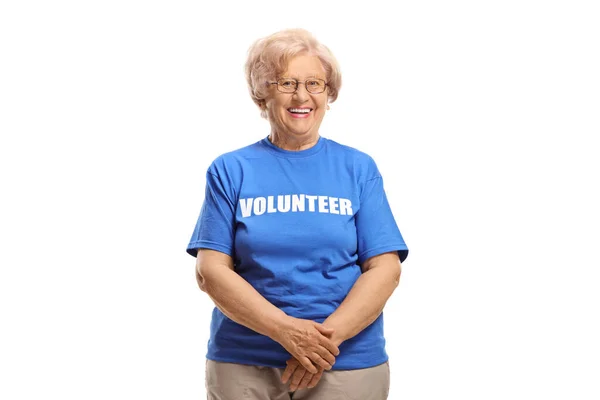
[[291, 85]]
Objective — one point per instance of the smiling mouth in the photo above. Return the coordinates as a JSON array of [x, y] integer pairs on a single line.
[[299, 111]]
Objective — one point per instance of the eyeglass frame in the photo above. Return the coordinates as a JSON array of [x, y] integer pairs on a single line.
[[297, 83]]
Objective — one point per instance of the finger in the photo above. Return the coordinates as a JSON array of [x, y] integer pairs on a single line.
[[320, 361], [325, 354], [306, 380], [297, 378], [324, 330], [306, 363], [328, 344], [315, 379], [289, 371]]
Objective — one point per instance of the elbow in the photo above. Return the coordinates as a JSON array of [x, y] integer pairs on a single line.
[[396, 275], [210, 267], [396, 279], [201, 281], [208, 277]]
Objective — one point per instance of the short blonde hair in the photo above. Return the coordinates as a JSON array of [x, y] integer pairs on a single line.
[[270, 55]]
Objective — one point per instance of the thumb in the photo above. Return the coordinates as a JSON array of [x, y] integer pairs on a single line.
[[324, 330]]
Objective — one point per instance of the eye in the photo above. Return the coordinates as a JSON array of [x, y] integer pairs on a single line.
[[314, 83], [287, 83]]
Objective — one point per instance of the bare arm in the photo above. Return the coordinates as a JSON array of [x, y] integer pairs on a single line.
[[235, 297], [367, 298], [362, 306], [240, 302]]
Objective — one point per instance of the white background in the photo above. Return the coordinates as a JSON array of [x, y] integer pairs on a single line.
[[481, 116]]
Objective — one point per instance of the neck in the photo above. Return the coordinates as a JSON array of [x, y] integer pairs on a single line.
[[291, 143]]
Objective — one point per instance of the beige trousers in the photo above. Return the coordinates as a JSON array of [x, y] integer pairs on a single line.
[[228, 381]]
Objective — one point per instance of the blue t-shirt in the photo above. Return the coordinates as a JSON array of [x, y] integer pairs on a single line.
[[297, 224]]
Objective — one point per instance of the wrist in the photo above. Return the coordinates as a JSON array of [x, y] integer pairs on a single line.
[[338, 336], [279, 324]]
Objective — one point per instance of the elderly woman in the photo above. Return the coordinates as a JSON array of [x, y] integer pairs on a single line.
[[296, 244]]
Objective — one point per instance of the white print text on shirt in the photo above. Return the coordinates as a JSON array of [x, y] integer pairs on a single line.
[[295, 203]]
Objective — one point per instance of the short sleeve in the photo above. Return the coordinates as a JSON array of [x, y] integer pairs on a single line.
[[215, 226], [376, 227]]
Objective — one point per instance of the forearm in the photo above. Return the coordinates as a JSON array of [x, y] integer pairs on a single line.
[[240, 302], [365, 302]]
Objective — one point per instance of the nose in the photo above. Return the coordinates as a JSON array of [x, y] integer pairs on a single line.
[[301, 93]]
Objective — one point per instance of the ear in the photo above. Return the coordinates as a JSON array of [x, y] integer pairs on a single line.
[[328, 106]]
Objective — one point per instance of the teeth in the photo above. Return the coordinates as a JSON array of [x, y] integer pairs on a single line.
[[300, 110]]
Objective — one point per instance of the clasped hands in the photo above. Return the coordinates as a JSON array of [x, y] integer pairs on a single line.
[[313, 347]]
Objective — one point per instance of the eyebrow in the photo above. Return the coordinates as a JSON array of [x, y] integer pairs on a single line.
[[313, 76]]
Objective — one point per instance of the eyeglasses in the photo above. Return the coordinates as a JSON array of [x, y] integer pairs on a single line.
[[312, 85]]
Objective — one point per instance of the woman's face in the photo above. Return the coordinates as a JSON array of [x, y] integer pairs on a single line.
[[282, 108]]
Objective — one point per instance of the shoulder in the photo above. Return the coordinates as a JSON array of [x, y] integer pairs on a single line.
[[227, 170], [363, 165], [235, 160]]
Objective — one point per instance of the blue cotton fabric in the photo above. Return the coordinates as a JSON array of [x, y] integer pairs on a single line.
[[297, 224]]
